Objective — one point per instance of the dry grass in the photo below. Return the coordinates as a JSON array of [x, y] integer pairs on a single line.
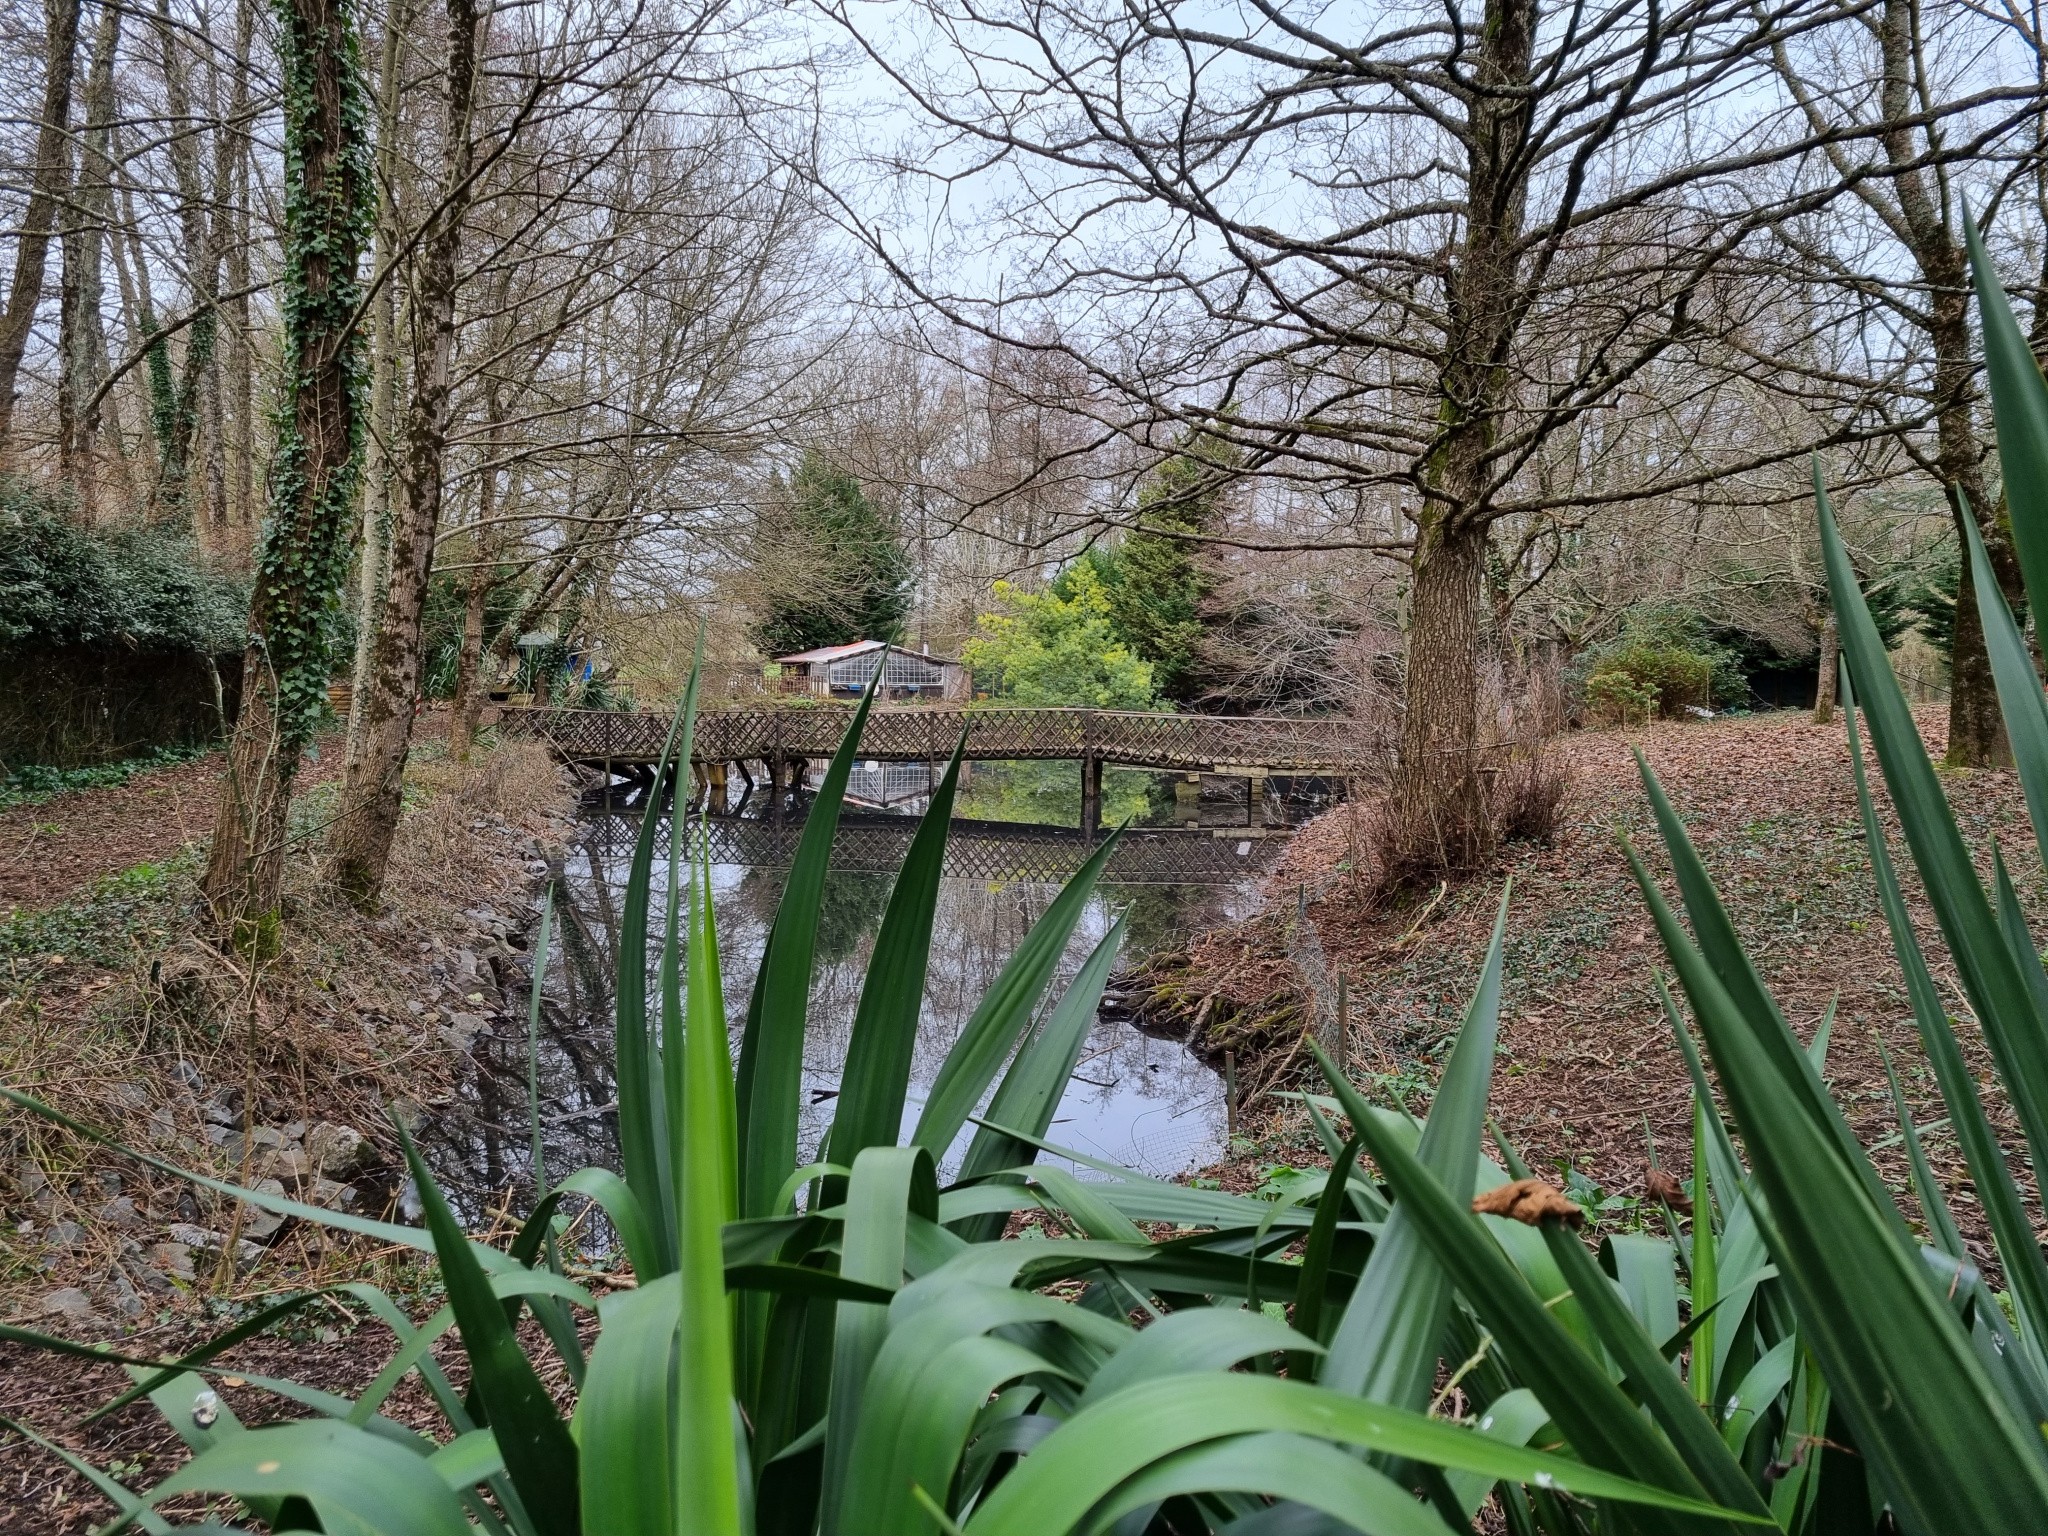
[[117, 1010]]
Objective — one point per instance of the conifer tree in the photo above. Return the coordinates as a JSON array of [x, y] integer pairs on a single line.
[[1162, 579], [856, 577]]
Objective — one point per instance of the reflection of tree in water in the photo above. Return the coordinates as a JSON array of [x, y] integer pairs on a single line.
[[1135, 1099], [751, 901], [1050, 794], [1163, 916], [850, 911]]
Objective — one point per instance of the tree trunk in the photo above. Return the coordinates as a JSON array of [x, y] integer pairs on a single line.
[[196, 400], [1830, 667], [133, 287], [82, 340], [1976, 729], [1976, 725], [232, 177], [1442, 804], [1440, 792], [373, 558], [469, 681], [372, 795], [52, 182], [315, 471]]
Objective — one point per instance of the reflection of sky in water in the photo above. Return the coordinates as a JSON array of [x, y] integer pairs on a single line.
[[1135, 1100]]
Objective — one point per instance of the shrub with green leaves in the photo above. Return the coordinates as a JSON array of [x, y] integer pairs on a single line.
[[1638, 678], [1059, 647], [137, 588], [34, 782], [1620, 697], [850, 1346]]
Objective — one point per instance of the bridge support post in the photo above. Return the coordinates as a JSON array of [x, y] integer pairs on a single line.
[[714, 774], [1091, 794]]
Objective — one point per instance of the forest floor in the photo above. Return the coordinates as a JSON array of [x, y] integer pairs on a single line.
[[53, 850], [1589, 1084], [115, 1009]]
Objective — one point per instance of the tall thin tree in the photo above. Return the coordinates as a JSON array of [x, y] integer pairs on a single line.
[[371, 795], [302, 557], [38, 219]]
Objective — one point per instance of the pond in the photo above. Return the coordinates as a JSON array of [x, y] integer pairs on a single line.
[[1137, 1100]]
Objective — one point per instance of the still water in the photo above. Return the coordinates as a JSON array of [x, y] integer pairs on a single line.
[[1135, 1099]]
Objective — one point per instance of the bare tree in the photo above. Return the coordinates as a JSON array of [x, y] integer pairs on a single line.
[[1885, 110], [50, 187], [82, 334], [374, 781], [1393, 253], [604, 296]]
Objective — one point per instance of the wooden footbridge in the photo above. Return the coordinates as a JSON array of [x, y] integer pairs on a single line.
[[1273, 744], [782, 739]]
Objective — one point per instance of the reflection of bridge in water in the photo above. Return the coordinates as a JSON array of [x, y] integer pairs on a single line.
[[975, 850]]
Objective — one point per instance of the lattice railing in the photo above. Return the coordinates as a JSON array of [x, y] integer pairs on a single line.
[[1276, 743], [975, 852]]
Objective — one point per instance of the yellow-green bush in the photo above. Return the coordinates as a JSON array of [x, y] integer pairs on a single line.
[[1635, 682]]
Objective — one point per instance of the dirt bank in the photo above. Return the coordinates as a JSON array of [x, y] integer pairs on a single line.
[[1588, 1072], [114, 1008]]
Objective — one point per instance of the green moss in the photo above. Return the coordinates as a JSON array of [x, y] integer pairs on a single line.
[[259, 937]]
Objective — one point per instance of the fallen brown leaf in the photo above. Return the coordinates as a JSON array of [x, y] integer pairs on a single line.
[[1659, 1185], [1529, 1201]]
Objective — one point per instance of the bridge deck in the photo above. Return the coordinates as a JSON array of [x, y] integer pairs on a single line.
[[1194, 743]]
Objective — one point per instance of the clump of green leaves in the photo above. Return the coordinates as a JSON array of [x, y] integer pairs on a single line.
[[441, 622], [1059, 647], [1639, 682], [101, 925], [1156, 580], [137, 588], [1662, 658], [31, 783]]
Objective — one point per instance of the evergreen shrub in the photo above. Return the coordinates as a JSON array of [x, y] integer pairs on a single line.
[[134, 587], [1638, 681], [113, 638]]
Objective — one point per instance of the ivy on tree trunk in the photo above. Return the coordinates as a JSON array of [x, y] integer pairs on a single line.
[[302, 556]]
